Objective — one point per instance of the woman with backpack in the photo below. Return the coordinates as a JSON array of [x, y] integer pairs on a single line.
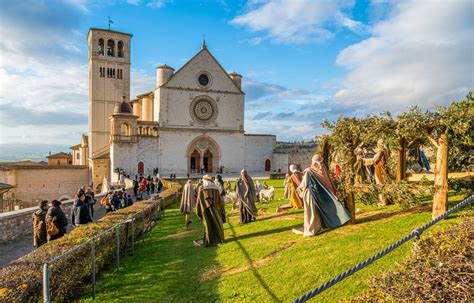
[[56, 217], [39, 225]]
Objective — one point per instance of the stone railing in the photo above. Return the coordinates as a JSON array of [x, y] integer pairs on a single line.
[[18, 223]]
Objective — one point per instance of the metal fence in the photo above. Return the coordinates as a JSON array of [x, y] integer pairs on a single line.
[[415, 233], [89, 247]]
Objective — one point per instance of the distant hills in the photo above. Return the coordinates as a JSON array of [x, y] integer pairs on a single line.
[[13, 152]]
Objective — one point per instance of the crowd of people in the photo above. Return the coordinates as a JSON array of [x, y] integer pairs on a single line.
[[148, 185], [311, 189], [50, 223]]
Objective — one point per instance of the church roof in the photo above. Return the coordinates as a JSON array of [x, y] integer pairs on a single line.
[[74, 147], [146, 94], [165, 66], [203, 49], [107, 30], [59, 155]]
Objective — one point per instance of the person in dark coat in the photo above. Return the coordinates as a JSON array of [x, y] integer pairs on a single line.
[[80, 214], [160, 184], [135, 188], [90, 200], [57, 217], [116, 203], [39, 225]]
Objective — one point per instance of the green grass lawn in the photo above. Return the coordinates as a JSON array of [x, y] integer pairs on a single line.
[[260, 261]]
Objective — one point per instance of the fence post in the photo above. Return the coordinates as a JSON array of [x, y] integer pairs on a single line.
[[46, 294], [118, 246], [93, 267], [133, 236], [143, 224]]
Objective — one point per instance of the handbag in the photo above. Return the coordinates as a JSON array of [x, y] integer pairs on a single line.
[[52, 229]]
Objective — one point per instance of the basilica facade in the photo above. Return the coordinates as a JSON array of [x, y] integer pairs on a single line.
[[191, 122]]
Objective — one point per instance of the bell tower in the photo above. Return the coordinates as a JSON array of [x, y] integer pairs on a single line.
[[109, 80]]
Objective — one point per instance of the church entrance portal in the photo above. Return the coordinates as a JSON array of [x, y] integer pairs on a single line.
[[203, 155], [207, 162], [195, 162]]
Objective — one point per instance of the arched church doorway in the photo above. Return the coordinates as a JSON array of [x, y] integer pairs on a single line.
[[203, 154], [195, 164], [207, 161], [141, 168], [268, 165]]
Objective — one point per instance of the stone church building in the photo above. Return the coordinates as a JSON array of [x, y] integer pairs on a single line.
[[192, 121]]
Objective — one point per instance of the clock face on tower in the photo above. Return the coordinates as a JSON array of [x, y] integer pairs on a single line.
[[203, 110]]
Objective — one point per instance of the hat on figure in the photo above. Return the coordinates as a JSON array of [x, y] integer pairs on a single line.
[[294, 169]]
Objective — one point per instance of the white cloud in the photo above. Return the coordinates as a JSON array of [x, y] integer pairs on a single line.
[[156, 4], [301, 21], [422, 54]]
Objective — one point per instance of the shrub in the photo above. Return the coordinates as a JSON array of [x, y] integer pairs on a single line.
[[21, 280], [439, 270]]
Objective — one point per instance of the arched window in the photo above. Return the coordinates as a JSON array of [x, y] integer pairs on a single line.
[[100, 48], [120, 49], [125, 129], [111, 48], [141, 167]]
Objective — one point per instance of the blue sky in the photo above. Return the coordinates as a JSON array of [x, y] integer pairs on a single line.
[[302, 61]]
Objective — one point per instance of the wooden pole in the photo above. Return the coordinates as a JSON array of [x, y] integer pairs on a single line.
[[440, 198]]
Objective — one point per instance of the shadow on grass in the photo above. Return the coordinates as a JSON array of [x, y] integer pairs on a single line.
[[252, 267], [384, 215], [235, 237], [164, 269]]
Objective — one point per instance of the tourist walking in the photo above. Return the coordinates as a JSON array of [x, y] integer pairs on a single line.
[[80, 214], [140, 194], [246, 195], [116, 203], [188, 200], [153, 186], [57, 217], [160, 184], [135, 188], [210, 209], [106, 201], [39, 225], [90, 197]]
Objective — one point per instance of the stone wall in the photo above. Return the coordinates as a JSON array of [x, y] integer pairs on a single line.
[[44, 183], [18, 223], [258, 149]]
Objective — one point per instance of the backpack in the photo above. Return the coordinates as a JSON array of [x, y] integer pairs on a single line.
[[51, 228], [104, 201]]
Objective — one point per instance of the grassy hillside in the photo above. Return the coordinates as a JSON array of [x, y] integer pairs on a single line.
[[261, 261]]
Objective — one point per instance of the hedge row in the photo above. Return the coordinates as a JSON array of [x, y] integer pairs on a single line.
[[22, 280], [439, 270]]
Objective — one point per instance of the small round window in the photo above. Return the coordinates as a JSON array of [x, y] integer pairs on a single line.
[[203, 79]]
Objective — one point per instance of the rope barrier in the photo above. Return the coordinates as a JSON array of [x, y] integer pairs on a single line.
[[415, 233]]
